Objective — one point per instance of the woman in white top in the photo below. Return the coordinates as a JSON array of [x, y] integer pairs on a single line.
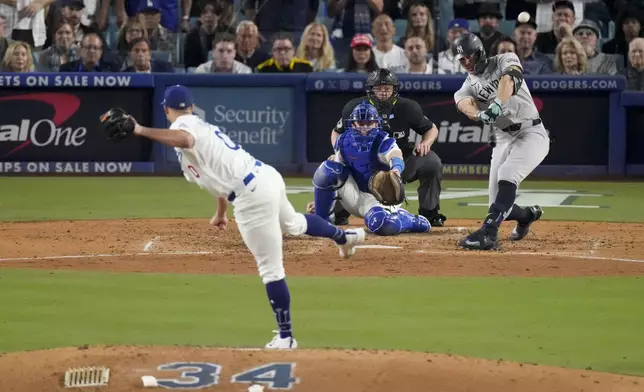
[[316, 48]]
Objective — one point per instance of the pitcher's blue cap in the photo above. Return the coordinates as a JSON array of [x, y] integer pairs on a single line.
[[177, 97]]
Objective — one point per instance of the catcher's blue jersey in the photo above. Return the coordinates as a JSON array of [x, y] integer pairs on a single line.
[[363, 164]]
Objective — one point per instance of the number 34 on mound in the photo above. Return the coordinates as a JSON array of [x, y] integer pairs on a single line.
[[196, 375]]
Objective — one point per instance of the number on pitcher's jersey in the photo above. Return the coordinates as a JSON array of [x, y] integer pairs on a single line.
[[483, 88], [215, 162]]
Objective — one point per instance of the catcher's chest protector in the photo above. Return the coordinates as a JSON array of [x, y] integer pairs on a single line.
[[362, 164]]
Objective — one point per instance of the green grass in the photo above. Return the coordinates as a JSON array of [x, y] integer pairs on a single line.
[[28, 198], [580, 322]]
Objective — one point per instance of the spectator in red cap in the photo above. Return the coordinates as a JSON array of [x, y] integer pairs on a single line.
[[361, 59], [532, 61], [447, 64], [563, 17]]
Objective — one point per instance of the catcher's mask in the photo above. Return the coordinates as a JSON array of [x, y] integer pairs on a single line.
[[469, 51], [363, 124]]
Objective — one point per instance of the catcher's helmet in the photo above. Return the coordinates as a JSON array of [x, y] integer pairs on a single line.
[[361, 128], [382, 77], [470, 46]]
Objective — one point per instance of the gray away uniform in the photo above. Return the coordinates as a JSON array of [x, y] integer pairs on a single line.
[[517, 152]]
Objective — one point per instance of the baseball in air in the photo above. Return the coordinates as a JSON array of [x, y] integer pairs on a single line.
[[524, 17]]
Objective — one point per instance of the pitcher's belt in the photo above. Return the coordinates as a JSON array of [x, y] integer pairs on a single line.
[[246, 181]]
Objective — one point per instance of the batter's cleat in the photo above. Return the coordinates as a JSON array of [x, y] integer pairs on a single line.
[[523, 228], [482, 239], [354, 238], [278, 343]]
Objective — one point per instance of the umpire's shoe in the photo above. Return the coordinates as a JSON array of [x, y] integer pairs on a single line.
[[481, 239], [435, 218], [523, 228]]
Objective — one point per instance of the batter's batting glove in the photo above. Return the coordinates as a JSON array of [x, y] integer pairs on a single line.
[[489, 115]]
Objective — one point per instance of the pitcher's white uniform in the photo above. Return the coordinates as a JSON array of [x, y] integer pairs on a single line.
[[262, 210], [517, 153]]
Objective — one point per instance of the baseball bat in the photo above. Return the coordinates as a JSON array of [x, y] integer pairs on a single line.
[[492, 139]]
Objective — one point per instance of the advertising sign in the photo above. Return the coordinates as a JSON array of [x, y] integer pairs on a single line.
[[63, 125], [259, 119], [580, 124]]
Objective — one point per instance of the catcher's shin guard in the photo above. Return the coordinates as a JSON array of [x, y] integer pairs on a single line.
[[411, 223], [329, 177], [392, 220]]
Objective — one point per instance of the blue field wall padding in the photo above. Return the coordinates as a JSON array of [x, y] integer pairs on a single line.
[[286, 120]]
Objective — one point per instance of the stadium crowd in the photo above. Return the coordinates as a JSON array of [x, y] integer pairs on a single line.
[[567, 37]]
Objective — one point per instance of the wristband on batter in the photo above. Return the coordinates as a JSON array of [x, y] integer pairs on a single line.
[[397, 163]]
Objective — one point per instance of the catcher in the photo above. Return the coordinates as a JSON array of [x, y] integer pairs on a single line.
[[365, 174]]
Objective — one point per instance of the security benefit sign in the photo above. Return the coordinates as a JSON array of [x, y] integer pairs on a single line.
[[258, 119], [63, 125]]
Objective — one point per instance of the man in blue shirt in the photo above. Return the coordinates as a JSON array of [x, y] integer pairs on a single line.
[[532, 61]]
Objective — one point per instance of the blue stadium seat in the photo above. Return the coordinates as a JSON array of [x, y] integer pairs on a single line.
[[191, 70], [160, 55], [401, 25], [180, 70]]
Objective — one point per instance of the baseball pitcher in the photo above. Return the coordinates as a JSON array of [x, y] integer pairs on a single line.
[[256, 190], [495, 93], [365, 174]]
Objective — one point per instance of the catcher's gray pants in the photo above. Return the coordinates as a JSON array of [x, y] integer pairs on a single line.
[[428, 170]]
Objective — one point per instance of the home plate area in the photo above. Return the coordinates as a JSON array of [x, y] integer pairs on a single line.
[[229, 370]]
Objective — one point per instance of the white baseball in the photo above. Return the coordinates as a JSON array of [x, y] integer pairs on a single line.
[[523, 17]]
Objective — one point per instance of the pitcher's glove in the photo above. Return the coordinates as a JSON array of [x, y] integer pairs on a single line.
[[117, 124], [387, 187]]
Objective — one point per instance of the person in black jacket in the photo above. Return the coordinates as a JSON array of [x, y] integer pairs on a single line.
[[92, 57], [628, 27], [199, 41], [142, 60], [399, 115]]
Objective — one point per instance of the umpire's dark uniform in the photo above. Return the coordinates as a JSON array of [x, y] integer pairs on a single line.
[[405, 114]]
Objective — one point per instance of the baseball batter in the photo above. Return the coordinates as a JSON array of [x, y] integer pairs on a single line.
[[495, 93], [257, 192], [360, 152]]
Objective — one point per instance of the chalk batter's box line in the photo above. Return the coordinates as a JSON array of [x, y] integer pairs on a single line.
[[446, 253]]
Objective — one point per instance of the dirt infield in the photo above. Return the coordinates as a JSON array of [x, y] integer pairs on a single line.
[[191, 246]]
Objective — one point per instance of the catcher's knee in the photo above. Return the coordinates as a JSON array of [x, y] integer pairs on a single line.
[[381, 221], [330, 175]]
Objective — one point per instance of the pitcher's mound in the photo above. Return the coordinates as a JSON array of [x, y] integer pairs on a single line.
[[300, 370]]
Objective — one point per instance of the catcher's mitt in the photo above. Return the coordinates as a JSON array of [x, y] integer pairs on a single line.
[[387, 187], [117, 124]]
